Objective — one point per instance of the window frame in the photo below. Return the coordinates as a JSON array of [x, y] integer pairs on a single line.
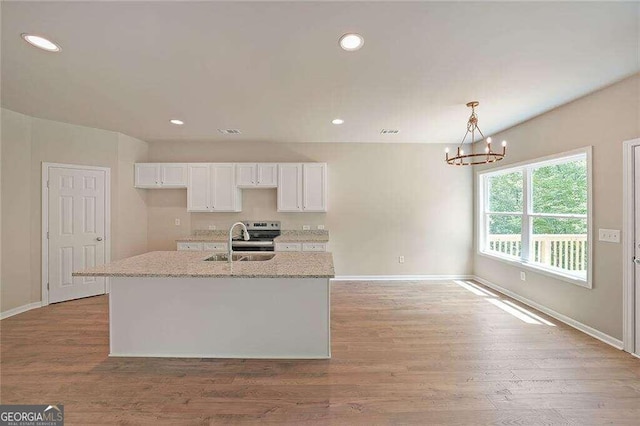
[[527, 215]]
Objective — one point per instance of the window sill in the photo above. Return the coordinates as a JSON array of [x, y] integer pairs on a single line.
[[586, 283]]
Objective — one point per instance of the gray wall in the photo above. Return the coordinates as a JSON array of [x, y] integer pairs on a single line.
[[27, 142], [604, 120], [385, 200]]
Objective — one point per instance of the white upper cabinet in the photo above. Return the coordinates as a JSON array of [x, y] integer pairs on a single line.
[[199, 188], [173, 175], [302, 187], [225, 196], [314, 187], [215, 187], [267, 175], [290, 187], [147, 175], [257, 175], [160, 175], [246, 175], [212, 188]]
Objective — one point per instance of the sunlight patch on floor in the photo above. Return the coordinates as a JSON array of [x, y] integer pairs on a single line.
[[506, 305]]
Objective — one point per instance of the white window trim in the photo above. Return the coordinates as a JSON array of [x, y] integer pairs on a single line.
[[481, 222]]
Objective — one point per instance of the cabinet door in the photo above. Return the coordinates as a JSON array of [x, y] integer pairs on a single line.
[[246, 174], [173, 175], [314, 179], [147, 175], [289, 187], [224, 193], [267, 175], [198, 188]]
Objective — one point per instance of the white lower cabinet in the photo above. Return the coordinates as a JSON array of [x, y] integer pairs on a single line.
[[191, 246], [301, 247], [288, 247], [314, 247], [215, 247]]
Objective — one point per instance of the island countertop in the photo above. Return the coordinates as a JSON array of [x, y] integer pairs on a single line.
[[192, 264]]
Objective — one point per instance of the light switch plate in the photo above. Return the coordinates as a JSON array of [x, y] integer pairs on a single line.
[[306, 227], [321, 227], [609, 235], [177, 222]]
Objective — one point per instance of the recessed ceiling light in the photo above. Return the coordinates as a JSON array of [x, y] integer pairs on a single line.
[[40, 42], [337, 121], [351, 42], [176, 122]]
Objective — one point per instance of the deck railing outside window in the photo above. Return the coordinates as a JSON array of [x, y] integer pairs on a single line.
[[563, 251]]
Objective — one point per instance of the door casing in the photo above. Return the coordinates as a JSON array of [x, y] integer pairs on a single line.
[[628, 249], [45, 221]]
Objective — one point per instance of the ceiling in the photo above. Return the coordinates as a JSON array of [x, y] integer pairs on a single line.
[[275, 71]]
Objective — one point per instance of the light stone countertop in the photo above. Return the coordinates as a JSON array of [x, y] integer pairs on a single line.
[[205, 236], [287, 236], [192, 264], [314, 236]]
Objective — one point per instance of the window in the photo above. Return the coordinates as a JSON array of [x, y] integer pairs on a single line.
[[537, 214]]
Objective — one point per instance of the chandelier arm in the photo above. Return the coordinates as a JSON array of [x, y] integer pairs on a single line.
[[480, 131], [464, 138]]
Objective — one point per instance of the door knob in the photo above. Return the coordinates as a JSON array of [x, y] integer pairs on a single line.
[[99, 238], [636, 260]]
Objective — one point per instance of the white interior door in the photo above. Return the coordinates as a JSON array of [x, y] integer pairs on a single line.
[[76, 230], [636, 181]]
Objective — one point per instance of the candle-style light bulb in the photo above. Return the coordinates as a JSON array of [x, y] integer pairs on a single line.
[[446, 150], [504, 143], [488, 140], [462, 152]]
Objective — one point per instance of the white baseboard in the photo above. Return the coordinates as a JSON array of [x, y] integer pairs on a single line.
[[557, 315], [19, 310], [401, 277]]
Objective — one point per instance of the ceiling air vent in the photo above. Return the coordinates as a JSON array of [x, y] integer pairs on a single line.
[[229, 131], [389, 132]]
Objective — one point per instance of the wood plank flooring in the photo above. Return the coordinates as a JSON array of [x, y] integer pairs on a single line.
[[425, 353]]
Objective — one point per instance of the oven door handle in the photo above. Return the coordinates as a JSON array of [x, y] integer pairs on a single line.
[[252, 243]]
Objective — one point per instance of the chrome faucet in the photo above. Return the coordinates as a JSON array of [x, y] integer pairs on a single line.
[[245, 235]]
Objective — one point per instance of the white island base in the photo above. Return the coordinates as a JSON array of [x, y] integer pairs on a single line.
[[220, 317]]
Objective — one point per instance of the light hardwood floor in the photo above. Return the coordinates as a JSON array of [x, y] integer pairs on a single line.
[[403, 353]]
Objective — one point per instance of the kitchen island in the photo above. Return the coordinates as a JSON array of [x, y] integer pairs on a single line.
[[178, 304]]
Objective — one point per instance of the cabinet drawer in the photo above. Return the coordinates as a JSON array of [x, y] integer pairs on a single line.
[[288, 247], [190, 246], [314, 247], [215, 246]]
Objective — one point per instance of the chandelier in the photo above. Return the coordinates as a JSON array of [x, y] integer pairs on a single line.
[[488, 156]]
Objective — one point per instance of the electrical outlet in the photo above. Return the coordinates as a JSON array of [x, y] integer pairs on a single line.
[[609, 235], [177, 222], [306, 227], [320, 227], [400, 259], [523, 276], [212, 227]]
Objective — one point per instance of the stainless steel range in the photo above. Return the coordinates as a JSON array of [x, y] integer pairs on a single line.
[[261, 236]]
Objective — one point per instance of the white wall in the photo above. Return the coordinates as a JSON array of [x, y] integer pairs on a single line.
[[385, 200], [603, 120], [27, 142]]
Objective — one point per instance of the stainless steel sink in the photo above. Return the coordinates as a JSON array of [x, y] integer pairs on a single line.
[[223, 257]]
